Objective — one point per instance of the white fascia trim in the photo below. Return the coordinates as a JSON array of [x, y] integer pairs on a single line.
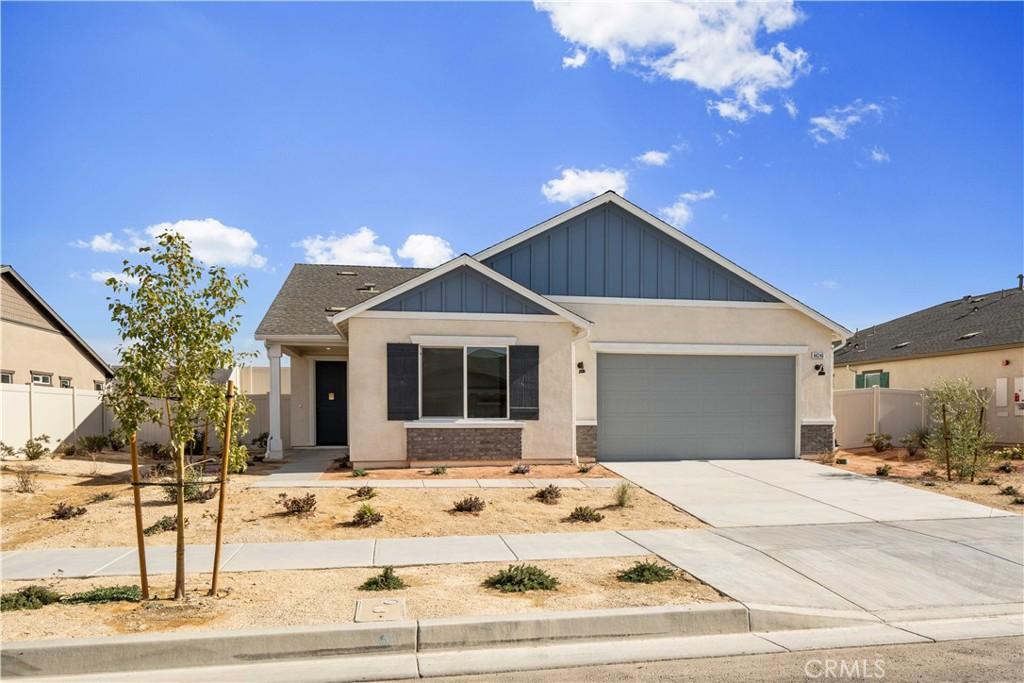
[[586, 423], [829, 421], [698, 349], [462, 260], [474, 317], [293, 339], [675, 234], [690, 303], [457, 423], [456, 340]]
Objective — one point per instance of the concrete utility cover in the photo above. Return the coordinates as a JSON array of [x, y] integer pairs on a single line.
[[380, 609]]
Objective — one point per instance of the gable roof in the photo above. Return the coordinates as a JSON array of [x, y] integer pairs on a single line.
[[702, 249], [463, 260], [26, 288], [302, 306], [997, 318]]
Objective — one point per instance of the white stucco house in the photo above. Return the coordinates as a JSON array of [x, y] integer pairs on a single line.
[[603, 333]]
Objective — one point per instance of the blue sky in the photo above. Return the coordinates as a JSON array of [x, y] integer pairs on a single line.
[[895, 182]]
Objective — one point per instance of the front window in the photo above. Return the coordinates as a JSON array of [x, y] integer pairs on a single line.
[[65, 382], [42, 378], [6, 377], [464, 382], [873, 378]]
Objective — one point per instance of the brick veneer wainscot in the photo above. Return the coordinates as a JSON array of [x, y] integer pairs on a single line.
[[458, 443], [817, 438]]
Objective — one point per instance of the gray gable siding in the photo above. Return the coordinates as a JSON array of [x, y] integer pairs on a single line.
[[609, 252], [463, 290]]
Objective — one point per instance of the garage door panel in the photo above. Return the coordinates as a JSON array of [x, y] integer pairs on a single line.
[[653, 407]]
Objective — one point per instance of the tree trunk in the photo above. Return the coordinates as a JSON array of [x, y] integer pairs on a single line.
[[137, 504], [977, 446], [179, 563], [945, 439]]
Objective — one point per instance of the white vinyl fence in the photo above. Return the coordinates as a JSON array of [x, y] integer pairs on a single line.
[[860, 412], [65, 415]]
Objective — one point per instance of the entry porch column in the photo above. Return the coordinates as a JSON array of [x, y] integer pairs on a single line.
[[275, 444]]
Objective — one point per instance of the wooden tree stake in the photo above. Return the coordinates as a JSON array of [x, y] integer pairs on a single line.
[[226, 456], [133, 441]]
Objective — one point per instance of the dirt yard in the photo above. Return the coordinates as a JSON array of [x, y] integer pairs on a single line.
[[272, 599], [912, 472], [254, 514], [474, 472]]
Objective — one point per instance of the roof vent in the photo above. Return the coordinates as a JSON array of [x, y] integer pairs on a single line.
[[369, 287], [969, 335], [901, 345], [347, 272], [335, 309]]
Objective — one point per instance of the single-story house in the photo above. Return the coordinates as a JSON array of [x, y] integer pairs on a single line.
[[602, 333], [39, 347], [980, 337]]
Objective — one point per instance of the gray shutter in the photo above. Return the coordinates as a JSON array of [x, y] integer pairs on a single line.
[[523, 386], [403, 381]]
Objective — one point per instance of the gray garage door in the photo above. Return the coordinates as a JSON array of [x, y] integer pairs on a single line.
[[694, 407]]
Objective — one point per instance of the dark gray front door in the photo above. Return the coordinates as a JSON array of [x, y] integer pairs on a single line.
[[331, 403], [653, 407]]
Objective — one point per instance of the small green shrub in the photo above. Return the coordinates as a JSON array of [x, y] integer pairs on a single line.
[[623, 494], [1005, 467], [37, 448], [260, 441], [238, 459], [101, 497], [439, 471], [1009, 491], [469, 504], [521, 578], [64, 511], [116, 442], [298, 506], [910, 443], [359, 472], [841, 461], [585, 513], [988, 481], [108, 594], [1011, 453], [1018, 500], [583, 469], [194, 489], [92, 444], [29, 597], [880, 442], [68, 449], [550, 494], [387, 580], [365, 492], [367, 515], [646, 572], [7, 451], [521, 468], [883, 470], [165, 523]]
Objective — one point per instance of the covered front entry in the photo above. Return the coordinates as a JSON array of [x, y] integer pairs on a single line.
[[331, 403], [687, 407]]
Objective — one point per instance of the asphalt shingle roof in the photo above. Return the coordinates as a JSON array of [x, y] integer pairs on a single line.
[[301, 306], [950, 327]]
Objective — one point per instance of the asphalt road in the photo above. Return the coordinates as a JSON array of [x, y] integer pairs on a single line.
[[990, 660]]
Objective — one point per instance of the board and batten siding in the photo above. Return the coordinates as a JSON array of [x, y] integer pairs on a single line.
[[463, 290], [609, 252]]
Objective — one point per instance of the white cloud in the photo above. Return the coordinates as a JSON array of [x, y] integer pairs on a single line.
[[791, 107], [426, 251], [828, 284], [836, 122], [214, 243], [575, 60], [680, 213], [359, 248], [711, 45], [653, 157], [878, 155], [576, 185], [104, 275], [104, 243]]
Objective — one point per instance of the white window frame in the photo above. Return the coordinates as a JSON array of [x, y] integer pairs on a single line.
[[61, 380], [98, 385], [9, 374], [465, 383], [48, 376]]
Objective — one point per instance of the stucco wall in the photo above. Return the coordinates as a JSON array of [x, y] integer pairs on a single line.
[[25, 348], [707, 325], [256, 380], [982, 368], [373, 438]]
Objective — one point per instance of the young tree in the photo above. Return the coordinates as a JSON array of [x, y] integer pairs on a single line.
[[175, 320], [958, 440]]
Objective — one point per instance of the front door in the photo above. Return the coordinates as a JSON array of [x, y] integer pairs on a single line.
[[331, 403]]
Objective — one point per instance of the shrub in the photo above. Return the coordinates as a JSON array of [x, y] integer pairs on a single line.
[[260, 440], [64, 511], [156, 451], [880, 442], [1018, 500], [387, 580], [68, 449], [968, 445], [910, 443], [295, 505], [469, 504], [623, 494], [1005, 467], [92, 444], [25, 481], [115, 441], [1009, 491], [585, 468], [238, 459], [367, 515], [359, 472], [841, 461], [107, 594], [521, 578], [36, 448], [883, 470], [521, 468], [929, 483], [1011, 453], [550, 494], [988, 481], [439, 471], [6, 451], [365, 492], [29, 597], [929, 473], [194, 491], [585, 513], [646, 572], [165, 523], [101, 497]]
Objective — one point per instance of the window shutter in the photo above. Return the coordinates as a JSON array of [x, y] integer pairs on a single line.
[[403, 381], [523, 386], [859, 383], [883, 380]]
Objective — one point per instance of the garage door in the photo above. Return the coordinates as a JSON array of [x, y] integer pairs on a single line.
[[695, 407]]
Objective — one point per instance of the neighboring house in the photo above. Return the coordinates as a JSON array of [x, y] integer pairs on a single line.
[[256, 380], [38, 347], [601, 333], [979, 337]]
